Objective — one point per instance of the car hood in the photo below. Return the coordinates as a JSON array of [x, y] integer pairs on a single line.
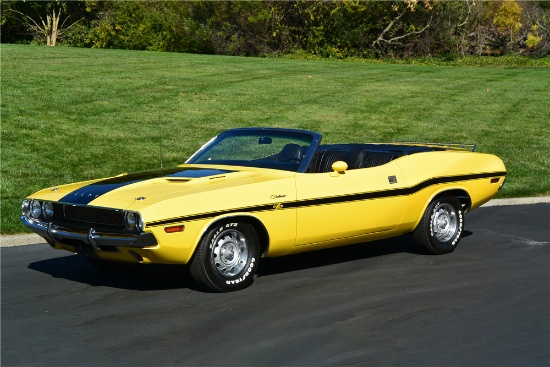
[[126, 190]]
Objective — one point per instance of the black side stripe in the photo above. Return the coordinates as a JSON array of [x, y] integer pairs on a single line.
[[333, 200]]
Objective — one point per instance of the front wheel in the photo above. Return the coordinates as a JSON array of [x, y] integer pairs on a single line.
[[441, 226], [227, 257]]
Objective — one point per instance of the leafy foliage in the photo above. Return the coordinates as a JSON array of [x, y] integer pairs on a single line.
[[333, 29]]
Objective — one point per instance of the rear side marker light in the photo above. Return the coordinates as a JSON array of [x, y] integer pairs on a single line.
[[495, 180], [174, 229]]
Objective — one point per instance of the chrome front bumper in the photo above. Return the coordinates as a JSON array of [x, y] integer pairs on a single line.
[[54, 234]]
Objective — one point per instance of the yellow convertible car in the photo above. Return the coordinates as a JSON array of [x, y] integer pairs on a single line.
[[263, 192]]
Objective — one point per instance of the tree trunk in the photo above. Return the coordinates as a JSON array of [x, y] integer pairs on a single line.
[[53, 28]]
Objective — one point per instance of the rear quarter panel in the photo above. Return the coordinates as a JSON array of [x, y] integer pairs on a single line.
[[434, 173]]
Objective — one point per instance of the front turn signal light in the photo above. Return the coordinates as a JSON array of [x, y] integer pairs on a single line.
[[174, 229]]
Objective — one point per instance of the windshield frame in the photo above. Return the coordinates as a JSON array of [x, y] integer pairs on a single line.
[[314, 137]]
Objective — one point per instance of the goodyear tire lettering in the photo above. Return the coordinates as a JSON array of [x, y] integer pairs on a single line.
[[245, 275]]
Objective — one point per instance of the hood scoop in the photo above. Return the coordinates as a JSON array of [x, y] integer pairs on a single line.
[[196, 173], [188, 175], [177, 179]]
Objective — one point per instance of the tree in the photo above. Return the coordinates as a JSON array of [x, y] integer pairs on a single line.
[[506, 23], [146, 25], [390, 35], [50, 26], [329, 28]]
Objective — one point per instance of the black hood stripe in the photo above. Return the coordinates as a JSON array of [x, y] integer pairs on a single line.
[[332, 200], [86, 194]]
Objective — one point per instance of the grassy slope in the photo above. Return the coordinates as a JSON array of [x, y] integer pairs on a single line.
[[74, 114]]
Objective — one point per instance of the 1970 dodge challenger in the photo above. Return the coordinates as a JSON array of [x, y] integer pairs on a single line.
[[264, 192]]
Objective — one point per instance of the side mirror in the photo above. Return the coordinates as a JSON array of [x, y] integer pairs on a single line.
[[339, 168]]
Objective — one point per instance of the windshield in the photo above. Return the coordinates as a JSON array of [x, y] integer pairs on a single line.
[[264, 148]]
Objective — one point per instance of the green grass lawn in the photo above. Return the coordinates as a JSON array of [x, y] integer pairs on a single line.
[[72, 114]]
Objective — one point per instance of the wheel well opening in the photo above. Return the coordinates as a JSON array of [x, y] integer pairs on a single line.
[[461, 195], [261, 232]]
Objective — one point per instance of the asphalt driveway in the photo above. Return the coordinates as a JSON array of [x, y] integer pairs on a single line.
[[381, 303]]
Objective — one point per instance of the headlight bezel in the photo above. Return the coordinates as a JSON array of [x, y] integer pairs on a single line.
[[38, 209], [133, 221], [140, 223]]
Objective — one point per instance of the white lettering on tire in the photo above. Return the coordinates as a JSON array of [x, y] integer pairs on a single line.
[[215, 236], [459, 232], [245, 275]]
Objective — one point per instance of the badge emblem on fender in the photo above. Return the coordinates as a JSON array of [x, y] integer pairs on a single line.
[[277, 206]]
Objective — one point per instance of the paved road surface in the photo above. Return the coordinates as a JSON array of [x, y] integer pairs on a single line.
[[487, 304]]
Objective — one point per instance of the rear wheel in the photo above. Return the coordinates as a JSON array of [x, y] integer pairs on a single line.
[[227, 257], [441, 226]]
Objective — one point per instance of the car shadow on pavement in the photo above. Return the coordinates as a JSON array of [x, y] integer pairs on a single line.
[[133, 277], [314, 259], [162, 277]]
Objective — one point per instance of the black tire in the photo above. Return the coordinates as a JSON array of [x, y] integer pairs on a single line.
[[441, 226], [227, 257]]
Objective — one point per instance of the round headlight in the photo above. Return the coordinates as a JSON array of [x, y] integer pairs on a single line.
[[131, 221], [47, 209], [140, 223], [25, 207], [36, 209]]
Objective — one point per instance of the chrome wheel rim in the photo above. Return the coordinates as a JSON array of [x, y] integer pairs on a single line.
[[230, 253], [444, 222]]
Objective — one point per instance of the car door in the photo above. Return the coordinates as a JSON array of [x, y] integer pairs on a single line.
[[342, 206]]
